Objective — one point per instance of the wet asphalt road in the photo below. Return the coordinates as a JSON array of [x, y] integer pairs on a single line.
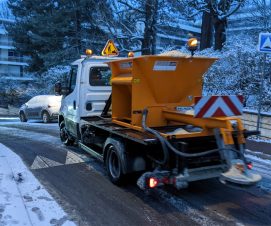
[[85, 193]]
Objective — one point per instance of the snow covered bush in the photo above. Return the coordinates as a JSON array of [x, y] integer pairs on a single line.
[[13, 92], [237, 72], [16, 92], [48, 79]]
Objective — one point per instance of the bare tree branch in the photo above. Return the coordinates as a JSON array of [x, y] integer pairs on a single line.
[[131, 7]]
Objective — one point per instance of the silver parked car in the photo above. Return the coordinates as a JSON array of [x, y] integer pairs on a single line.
[[45, 107]]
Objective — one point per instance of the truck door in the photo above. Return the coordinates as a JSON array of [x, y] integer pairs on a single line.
[[95, 89], [70, 102]]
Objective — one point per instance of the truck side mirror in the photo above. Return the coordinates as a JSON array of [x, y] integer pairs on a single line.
[[58, 88]]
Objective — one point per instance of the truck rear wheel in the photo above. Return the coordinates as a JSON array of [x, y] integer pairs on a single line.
[[64, 136], [114, 166]]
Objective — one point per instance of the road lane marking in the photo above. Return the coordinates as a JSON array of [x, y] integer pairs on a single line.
[[73, 158], [41, 162]]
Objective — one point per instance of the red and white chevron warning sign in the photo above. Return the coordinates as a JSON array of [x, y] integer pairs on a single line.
[[217, 106]]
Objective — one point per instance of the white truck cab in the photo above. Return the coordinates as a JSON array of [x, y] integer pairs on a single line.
[[87, 92]]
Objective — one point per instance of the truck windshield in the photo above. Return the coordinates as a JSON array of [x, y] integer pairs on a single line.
[[99, 76]]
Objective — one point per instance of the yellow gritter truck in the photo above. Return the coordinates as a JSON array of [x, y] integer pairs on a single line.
[[148, 126]]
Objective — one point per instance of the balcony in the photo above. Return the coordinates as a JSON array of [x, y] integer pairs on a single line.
[[14, 76], [13, 60], [6, 43]]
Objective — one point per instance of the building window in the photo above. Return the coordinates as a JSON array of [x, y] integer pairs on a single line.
[[11, 53], [14, 56]]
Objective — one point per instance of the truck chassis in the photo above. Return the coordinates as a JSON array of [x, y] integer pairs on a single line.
[[125, 151]]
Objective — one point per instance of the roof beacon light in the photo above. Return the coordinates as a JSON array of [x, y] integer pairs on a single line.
[[89, 52], [192, 45], [131, 54]]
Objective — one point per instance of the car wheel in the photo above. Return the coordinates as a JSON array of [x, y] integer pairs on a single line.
[[45, 117], [114, 166], [22, 117], [64, 136]]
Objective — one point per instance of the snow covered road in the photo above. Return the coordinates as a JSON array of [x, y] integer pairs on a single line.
[[78, 183]]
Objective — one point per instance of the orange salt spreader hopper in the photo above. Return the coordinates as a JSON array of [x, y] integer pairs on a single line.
[[160, 84], [157, 83]]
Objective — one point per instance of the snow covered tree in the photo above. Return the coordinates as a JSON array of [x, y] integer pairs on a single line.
[[53, 32], [220, 11], [5, 11], [141, 13], [121, 25], [134, 23], [260, 13], [215, 15]]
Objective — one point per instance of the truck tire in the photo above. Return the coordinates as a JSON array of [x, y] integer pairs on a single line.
[[64, 136], [45, 117], [22, 117], [114, 166]]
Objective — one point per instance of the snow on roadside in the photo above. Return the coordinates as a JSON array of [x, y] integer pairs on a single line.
[[262, 161], [23, 200], [35, 136], [9, 118], [260, 139], [262, 165]]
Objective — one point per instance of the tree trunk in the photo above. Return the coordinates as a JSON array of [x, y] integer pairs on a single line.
[[206, 38], [154, 26], [220, 32], [206, 31], [149, 39]]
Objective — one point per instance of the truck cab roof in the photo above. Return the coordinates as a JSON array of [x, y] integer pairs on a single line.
[[95, 59]]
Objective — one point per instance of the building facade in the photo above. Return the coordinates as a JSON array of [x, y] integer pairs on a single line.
[[254, 17], [12, 63], [175, 35]]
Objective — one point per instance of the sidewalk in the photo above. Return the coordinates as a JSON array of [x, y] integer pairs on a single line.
[[263, 146], [23, 200]]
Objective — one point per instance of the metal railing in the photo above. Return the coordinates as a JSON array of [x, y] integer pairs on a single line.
[[250, 123]]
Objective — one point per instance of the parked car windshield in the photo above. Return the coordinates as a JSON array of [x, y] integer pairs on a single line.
[[99, 76], [45, 99], [34, 100]]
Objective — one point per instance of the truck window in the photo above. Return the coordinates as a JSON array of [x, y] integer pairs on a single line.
[[99, 76], [73, 75]]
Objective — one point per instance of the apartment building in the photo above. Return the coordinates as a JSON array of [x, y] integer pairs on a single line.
[[176, 35], [12, 63], [251, 19]]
